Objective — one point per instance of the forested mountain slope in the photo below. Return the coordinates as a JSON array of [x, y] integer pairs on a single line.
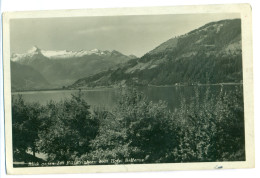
[[209, 54]]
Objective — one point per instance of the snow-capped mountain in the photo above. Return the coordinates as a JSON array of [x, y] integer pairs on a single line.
[[62, 67], [62, 54], [30, 55]]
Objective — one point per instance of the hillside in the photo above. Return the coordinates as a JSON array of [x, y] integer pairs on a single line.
[[61, 68], [209, 54], [26, 78]]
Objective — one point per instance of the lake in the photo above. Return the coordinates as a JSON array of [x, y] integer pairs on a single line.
[[108, 97]]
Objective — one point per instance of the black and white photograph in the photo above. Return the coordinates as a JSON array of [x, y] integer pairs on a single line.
[[127, 89]]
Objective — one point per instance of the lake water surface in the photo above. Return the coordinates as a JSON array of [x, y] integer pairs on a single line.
[[108, 97]]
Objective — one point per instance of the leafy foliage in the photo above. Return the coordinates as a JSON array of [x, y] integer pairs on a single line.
[[67, 129], [205, 128], [211, 129], [136, 128], [26, 122]]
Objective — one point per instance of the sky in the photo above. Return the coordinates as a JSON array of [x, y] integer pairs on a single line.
[[134, 34]]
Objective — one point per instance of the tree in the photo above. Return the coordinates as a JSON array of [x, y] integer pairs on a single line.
[[25, 122], [67, 130], [211, 128], [136, 128]]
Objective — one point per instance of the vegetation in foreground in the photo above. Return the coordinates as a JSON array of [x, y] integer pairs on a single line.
[[203, 129]]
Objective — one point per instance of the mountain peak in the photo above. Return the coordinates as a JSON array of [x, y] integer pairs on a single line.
[[95, 50], [115, 52], [34, 53], [34, 49]]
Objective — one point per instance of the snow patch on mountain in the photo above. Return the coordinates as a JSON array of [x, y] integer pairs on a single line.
[[31, 54], [34, 49], [63, 54]]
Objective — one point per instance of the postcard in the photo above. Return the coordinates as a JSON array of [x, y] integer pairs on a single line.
[[128, 89]]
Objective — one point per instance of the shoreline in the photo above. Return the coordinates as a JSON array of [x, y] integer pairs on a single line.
[[114, 87]]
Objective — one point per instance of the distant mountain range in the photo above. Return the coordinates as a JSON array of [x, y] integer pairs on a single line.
[[210, 54], [42, 69]]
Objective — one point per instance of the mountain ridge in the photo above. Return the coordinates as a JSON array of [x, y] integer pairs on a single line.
[[63, 54], [61, 68], [209, 54]]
